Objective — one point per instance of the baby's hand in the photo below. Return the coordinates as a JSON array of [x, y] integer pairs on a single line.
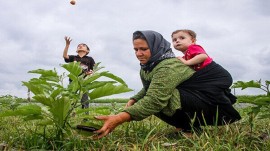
[[179, 57], [182, 59]]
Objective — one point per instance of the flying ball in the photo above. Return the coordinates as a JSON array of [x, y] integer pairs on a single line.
[[72, 2]]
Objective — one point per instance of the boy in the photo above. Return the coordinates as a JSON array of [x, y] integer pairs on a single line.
[[86, 62]]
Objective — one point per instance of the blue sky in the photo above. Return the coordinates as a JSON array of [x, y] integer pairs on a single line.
[[234, 33]]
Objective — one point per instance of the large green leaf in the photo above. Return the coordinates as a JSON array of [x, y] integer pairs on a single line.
[[37, 81], [56, 92], [97, 67], [244, 85], [51, 78], [97, 84], [107, 90], [40, 86], [73, 77], [33, 117], [43, 100], [73, 68], [30, 109], [33, 88], [45, 122], [114, 77], [45, 73], [262, 101], [73, 86], [60, 109], [91, 78]]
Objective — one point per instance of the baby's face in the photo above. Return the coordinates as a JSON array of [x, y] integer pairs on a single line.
[[182, 40]]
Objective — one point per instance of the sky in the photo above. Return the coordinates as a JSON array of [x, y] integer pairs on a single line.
[[234, 33]]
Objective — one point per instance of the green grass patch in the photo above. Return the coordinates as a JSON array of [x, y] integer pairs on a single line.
[[148, 134], [110, 100]]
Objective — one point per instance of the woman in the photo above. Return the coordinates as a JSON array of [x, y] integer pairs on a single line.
[[171, 90]]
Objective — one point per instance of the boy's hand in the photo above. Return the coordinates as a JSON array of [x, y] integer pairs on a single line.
[[89, 72], [68, 40]]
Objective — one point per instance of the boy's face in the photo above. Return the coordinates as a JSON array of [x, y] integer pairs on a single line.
[[182, 40], [82, 49]]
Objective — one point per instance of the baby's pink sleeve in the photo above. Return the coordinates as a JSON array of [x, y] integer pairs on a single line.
[[195, 50]]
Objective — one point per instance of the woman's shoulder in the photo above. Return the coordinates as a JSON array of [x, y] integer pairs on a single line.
[[172, 63]]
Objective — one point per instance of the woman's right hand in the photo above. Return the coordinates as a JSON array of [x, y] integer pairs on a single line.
[[110, 123], [130, 103], [68, 40]]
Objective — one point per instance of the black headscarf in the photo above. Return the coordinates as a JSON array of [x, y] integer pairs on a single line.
[[159, 47]]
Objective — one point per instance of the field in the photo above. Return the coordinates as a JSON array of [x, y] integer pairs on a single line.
[[149, 134]]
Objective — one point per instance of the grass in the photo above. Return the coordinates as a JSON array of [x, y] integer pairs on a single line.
[[110, 100], [148, 134]]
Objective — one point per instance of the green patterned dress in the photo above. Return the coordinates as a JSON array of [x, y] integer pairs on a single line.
[[159, 94]]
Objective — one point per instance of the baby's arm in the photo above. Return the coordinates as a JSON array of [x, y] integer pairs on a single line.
[[195, 60], [65, 53]]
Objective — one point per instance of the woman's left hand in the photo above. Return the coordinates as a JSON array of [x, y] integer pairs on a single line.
[[130, 103], [110, 123]]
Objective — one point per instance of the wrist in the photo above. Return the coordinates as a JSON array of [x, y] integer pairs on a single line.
[[124, 117], [132, 99]]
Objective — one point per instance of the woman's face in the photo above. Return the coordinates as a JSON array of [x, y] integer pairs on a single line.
[[142, 50]]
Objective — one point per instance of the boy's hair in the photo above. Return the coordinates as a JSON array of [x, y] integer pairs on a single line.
[[84, 45], [190, 32]]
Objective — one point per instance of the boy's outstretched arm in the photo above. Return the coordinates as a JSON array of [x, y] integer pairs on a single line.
[[195, 60], [65, 53]]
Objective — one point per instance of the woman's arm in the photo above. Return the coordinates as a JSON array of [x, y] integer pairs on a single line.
[[136, 97], [166, 76], [155, 99], [139, 95]]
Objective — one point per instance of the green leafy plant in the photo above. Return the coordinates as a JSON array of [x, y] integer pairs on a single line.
[[9, 102], [60, 102], [261, 104]]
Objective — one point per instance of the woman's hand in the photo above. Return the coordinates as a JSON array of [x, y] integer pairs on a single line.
[[130, 103], [110, 123]]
